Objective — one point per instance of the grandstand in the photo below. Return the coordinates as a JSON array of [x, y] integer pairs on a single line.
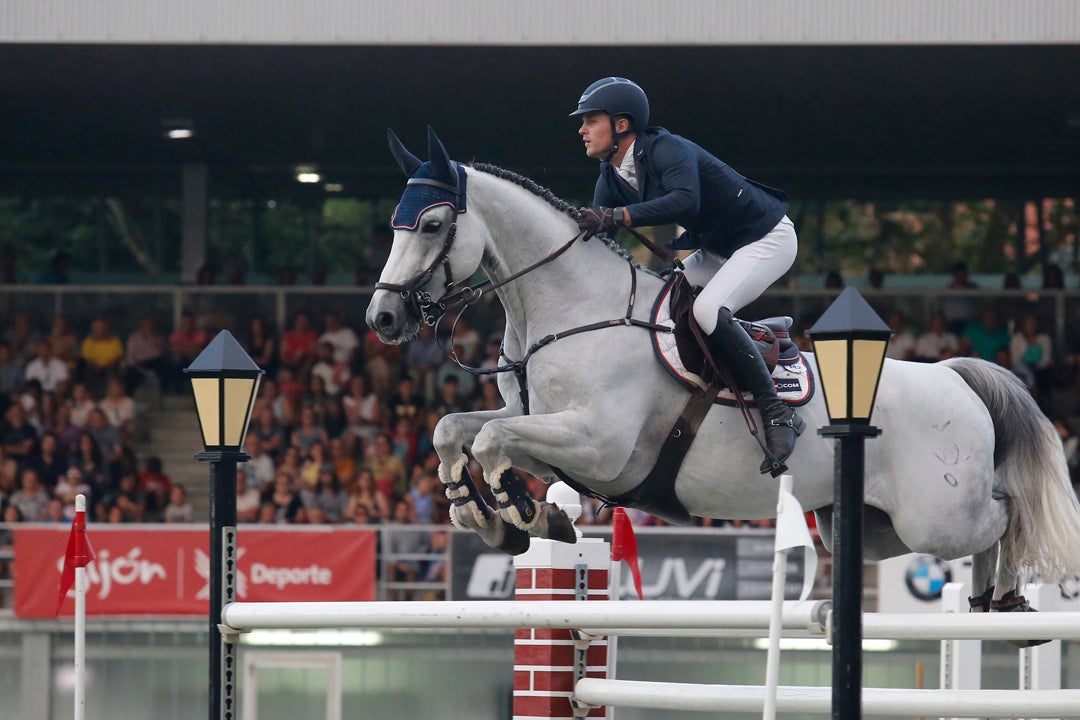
[[882, 120]]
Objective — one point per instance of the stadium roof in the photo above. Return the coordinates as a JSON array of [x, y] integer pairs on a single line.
[[838, 119]]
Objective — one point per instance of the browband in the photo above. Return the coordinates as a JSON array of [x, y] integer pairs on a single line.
[[435, 183]]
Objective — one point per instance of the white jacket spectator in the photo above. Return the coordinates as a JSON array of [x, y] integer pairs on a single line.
[[938, 343], [46, 368]]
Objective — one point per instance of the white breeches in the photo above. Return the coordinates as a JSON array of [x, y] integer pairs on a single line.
[[739, 280]]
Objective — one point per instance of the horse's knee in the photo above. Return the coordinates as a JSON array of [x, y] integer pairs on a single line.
[[448, 437], [488, 444]]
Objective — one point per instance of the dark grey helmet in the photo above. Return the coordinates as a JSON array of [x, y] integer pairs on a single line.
[[616, 96]]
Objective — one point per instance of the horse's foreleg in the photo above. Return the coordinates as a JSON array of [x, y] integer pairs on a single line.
[[543, 519], [540, 441], [468, 509]]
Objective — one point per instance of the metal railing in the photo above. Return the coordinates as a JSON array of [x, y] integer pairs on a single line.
[[227, 306]]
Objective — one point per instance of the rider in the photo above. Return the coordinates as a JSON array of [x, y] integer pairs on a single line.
[[743, 236]]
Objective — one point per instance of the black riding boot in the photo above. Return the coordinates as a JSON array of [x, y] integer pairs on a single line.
[[782, 424]]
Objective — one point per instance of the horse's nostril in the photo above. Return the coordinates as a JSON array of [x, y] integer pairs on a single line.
[[384, 320]]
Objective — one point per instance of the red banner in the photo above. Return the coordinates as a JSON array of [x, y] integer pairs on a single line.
[[165, 570]]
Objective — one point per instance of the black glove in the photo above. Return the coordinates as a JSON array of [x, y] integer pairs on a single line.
[[599, 220]]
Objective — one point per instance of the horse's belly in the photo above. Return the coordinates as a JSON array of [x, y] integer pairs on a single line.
[[720, 476]]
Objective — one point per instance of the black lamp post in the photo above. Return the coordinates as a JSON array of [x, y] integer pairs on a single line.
[[849, 343], [224, 380]]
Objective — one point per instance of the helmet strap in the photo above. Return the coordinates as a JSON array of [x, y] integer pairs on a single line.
[[615, 137]]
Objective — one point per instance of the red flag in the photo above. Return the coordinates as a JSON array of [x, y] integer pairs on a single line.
[[79, 554], [624, 546]]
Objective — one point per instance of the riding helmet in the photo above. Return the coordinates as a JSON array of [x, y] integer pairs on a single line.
[[616, 96]]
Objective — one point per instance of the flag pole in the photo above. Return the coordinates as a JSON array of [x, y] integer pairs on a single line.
[[779, 581], [791, 532], [80, 618]]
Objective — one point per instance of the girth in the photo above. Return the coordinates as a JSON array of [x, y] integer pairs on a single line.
[[656, 493]]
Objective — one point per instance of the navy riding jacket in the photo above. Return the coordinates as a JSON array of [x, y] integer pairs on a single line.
[[682, 183]]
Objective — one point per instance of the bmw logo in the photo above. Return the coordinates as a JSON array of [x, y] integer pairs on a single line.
[[925, 577]]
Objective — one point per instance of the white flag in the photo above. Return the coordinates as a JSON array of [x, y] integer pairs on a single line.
[[792, 532]]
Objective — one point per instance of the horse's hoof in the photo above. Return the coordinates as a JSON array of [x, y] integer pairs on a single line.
[[1027, 643], [515, 541], [559, 525], [1011, 602], [498, 532]]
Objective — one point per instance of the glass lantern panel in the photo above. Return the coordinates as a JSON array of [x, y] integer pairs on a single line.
[[866, 356], [832, 363], [206, 404], [238, 394]]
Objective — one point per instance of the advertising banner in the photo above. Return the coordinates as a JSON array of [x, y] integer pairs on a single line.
[[165, 570], [674, 566], [913, 583]]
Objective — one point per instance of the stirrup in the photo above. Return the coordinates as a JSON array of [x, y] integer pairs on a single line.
[[772, 466]]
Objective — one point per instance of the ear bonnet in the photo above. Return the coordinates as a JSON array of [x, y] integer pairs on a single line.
[[440, 181]]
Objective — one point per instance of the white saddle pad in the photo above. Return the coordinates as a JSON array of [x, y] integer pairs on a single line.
[[792, 377]]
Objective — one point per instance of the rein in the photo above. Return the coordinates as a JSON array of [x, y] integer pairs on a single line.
[[662, 253], [468, 295], [519, 367], [420, 301]]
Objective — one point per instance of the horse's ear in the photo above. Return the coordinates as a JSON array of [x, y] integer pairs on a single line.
[[440, 159], [405, 159]]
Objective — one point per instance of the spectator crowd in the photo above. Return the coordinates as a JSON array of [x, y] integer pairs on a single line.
[[342, 426]]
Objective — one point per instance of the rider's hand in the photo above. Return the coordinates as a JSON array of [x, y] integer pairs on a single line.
[[599, 220]]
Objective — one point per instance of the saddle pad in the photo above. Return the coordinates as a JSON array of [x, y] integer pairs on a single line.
[[793, 378]]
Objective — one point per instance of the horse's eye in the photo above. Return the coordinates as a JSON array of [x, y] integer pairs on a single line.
[[432, 226]]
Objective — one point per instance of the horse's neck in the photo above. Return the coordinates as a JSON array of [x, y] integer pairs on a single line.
[[557, 295]]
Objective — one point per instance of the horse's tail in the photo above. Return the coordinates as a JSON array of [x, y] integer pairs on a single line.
[[1043, 534]]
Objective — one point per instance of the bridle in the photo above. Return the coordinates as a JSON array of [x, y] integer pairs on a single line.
[[420, 302], [412, 290], [431, 311]]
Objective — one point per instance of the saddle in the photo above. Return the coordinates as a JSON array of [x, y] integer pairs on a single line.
[[771, 335]]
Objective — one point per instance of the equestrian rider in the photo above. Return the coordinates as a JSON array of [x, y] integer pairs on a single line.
[[743, 236]]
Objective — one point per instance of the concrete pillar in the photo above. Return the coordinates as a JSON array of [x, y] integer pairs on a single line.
[[193, 218]]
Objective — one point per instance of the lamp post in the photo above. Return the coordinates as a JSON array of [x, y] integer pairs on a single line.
[[849, 342], [224, 380]]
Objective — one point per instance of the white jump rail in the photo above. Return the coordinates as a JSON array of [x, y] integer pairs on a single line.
[[818, 700], [601, 616], [974, 626], [631, 617]]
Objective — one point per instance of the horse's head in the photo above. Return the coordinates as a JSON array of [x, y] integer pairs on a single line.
[[427, 256]]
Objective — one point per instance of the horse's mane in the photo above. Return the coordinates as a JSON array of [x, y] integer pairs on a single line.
[[547, 196]]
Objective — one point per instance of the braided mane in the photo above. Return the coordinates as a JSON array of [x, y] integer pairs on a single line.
[[546, 195]]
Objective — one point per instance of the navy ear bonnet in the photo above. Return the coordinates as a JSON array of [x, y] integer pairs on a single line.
[[427, 189]]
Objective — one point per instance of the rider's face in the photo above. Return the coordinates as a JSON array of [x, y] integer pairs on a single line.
[[595, 132]]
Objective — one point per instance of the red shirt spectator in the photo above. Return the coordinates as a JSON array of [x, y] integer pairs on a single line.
[[188, 339], [298, 343]]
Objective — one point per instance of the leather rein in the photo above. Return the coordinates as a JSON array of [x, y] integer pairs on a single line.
[[431, 311], [420, 301]]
